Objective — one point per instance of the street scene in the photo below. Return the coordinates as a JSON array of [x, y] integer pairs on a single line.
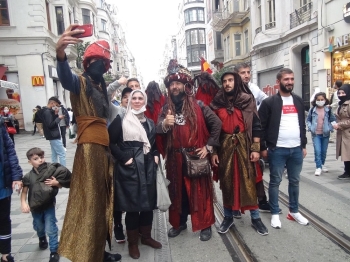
[[182, 130]]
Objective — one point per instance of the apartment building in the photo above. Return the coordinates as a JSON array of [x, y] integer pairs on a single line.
[[29, 31]]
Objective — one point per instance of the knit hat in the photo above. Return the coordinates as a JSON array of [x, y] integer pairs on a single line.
[[177, 72], [98, 50]]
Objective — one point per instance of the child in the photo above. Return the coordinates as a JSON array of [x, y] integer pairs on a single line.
[[43, 182], [319, 123]]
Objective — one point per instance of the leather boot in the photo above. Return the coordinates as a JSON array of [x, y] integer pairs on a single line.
[[133, 240], [146, 238]]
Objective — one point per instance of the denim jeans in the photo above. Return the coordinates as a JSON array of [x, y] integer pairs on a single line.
[[45, 223], [254, 214], [320, 148], [57, 150], [292, 158]]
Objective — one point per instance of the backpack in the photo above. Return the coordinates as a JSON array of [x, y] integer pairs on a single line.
[[38, 116]]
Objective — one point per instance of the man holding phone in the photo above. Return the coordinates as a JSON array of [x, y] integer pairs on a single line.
[[90, 203]]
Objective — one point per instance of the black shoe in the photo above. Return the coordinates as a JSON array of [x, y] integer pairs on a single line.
[[264, 207], [205, 234], [43, 243], [344, 176], [119, 234], [259, 227], [175, 232], [9, 258], [111, 257], [54, 257], [225, 225], [237, 214]]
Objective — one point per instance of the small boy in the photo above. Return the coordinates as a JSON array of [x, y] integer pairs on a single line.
[[42, 184]]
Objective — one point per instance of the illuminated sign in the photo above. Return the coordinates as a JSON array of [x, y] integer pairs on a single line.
[[37, 80], [346, 12]]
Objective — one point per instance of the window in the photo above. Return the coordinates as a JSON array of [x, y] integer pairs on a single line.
[[271, 9], [225, 50], [194, 15], [48, 15], [235, 6], [59, 20], [71, 20], [237, 38], [228, 48], [101, 3], [194, 37], [4, 13], [103, 25], [195, 42], [188, 38], [86, 16], [246, 5], [259, 13], [201, 36], [218, 40], [246, 41]]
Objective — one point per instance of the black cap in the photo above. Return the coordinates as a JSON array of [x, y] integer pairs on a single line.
[[126, 90]]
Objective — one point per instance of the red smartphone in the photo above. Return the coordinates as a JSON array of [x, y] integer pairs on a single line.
[[88, 30]]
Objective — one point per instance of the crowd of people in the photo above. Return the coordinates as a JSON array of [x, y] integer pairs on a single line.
[[205, 132]]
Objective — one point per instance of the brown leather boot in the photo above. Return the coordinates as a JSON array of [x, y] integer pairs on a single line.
[[146, 238], [133, 240]]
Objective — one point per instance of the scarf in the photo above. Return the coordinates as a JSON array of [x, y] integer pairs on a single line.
[[132, 127]]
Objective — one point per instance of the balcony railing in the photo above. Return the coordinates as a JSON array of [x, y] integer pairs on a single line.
[[258, 30], [270, 25], [301, 15]]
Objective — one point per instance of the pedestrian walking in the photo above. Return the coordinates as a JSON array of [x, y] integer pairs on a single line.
[[185, 123], [284, 135], [90, 203], [51, 120], [334, 103], [64, 124], [33, 118], [10, 180], [239, 151], [42, 184], [38, 121], [132, 142], [319, 123], [9, 122], [343, 129]]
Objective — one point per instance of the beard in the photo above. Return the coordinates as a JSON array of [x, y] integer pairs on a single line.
[[177, 98], [284, 89]]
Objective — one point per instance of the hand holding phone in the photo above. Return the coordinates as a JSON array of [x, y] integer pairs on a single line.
[[88, 30]]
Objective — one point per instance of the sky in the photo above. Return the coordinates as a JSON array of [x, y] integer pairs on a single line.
[[147, 25]]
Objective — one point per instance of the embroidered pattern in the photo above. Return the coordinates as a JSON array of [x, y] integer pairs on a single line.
[[180, 119]]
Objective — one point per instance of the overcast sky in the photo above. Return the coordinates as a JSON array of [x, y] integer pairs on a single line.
[[147, 24]]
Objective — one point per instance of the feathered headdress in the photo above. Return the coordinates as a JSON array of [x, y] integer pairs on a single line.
[[177, 72]]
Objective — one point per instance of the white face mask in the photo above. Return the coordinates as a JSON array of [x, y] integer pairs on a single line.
[[320, 103], [6, 111], [54, 107]]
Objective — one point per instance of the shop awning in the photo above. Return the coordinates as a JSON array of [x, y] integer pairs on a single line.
[[6, 84], [2, 70]]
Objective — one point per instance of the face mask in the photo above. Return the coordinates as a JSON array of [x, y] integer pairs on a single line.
[[96, 70], [6, 111], [320, 103], [342, 98], [54, 108]]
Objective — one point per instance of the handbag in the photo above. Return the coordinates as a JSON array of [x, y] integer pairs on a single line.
[[163, 199], [11, 130], [196, 167]]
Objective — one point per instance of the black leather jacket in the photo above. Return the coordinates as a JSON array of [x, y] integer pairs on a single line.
[[50, 124]]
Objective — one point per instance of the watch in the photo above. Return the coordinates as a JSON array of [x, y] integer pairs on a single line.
[[209, 148]]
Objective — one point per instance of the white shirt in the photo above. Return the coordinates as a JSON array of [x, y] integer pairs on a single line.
[[258, 94], [289, 132]]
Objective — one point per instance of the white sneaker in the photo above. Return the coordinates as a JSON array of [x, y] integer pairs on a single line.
[[318, 171], [324, 169], [298, 218], [276, 222]]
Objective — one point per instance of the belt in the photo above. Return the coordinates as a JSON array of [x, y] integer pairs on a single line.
[[187, 149]]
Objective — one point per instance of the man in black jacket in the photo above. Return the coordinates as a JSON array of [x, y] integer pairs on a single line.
[[284, 135], [51, 119]]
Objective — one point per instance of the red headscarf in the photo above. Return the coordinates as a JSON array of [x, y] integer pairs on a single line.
[[98, 50]]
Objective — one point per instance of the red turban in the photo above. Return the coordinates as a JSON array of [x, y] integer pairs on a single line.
[[177, 72], [98, 50]]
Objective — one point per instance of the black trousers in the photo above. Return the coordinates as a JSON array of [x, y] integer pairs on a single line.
[[5, 225], [34, 129], [347, 167], [133, 220], [63, 135]]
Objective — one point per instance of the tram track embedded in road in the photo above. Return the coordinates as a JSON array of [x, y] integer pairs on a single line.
[[326, 229], [233, 240]]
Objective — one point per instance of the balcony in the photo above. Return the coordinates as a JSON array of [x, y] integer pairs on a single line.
[[258, 30], [301, 15], [270, 25], [221, 18]]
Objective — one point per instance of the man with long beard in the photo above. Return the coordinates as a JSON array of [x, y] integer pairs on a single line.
[[89, 215], [239, 152], [284, 135], [189, 125]]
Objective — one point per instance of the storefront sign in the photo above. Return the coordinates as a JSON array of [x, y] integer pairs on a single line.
[[346, 12], [338, 42], [53, 72], [5, 84], [37, 80]]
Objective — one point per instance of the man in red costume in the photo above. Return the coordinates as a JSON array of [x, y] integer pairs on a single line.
[[239, 152], [185, 123]]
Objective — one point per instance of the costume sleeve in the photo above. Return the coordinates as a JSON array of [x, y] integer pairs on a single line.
[[161, 117], [115, 131], [48, 120], [68, 80], [112, 87], [256, 127], [345, 122], [16, 170], [264, 114], [214, 124]]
